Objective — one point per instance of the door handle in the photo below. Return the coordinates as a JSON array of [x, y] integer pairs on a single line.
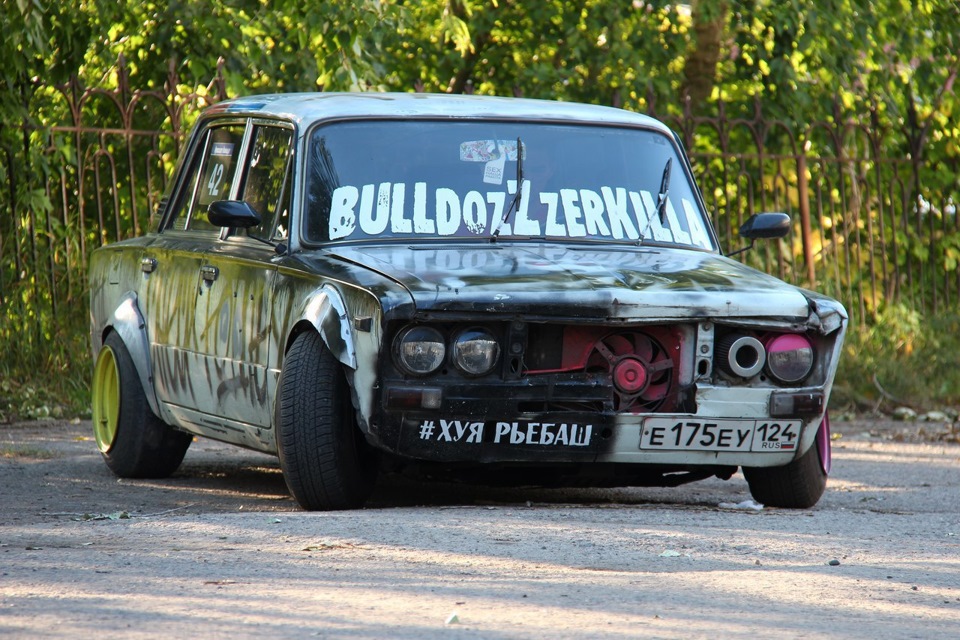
[[147, 265], [209, 273]]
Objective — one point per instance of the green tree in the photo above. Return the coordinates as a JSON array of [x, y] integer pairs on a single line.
[[584, 50], [892, 63]]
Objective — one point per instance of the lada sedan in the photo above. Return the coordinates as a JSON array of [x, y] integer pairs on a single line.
[[510, 290]]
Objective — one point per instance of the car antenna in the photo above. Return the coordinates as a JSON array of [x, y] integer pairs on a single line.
[[515, 203]]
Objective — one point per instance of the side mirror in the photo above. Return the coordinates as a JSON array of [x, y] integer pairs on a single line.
[[232, 213], [763, 226]]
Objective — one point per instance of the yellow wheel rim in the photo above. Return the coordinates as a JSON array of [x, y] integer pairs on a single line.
[[106, 399]]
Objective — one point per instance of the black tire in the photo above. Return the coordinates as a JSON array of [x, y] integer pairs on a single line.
[[326, 463], [798, 485], [133, 441]]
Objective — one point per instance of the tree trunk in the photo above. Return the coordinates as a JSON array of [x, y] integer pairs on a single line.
[[460, 80], [700, 70]]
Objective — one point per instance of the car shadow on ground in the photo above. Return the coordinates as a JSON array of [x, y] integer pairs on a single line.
[[60, 472], [259, 485]]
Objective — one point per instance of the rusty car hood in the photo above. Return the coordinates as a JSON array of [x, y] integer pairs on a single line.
[[583, 280]]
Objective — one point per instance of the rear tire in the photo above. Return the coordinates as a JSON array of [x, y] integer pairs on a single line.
[[798, 485], [326, 463], [133, 441]]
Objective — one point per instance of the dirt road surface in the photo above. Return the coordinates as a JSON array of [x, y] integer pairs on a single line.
[[221, 551]]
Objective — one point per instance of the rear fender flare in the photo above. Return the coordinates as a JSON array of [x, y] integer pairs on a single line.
[[128, 323]]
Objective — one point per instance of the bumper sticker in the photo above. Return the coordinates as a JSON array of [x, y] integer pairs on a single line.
[[508, 433], [452, 431]]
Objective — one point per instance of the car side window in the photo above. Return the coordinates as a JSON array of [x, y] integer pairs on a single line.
[[267, 171], [211, 176]]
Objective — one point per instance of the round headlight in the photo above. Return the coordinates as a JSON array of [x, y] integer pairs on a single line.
[[475, 352], [419, 350], [789, 358]]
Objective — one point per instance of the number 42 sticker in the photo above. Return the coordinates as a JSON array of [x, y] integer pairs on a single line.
[[216, 177]]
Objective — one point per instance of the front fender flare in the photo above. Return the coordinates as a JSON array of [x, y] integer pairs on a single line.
[[129, 324], [326, 311]]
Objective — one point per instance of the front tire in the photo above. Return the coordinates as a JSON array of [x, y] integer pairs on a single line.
[[326, 463], [133, 441], [798, 485]]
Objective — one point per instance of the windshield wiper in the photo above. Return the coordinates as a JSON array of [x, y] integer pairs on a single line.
[[664, 190], [661, 199], [515, 203]]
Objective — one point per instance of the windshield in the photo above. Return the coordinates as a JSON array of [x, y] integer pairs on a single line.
[[458, 180]]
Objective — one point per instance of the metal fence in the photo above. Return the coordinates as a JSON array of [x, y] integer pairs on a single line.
[[104, 166], [870, 229]]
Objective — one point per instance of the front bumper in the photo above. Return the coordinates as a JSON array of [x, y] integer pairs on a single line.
[[492, 429]]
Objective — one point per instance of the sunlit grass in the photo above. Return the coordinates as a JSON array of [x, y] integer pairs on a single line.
[[44, 374], [903, 359]]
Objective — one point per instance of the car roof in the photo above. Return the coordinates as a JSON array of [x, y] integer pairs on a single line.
[[307, 108]]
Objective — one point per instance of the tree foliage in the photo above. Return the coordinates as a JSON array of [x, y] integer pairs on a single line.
[[898, 56], [891, 63], [586, 50]]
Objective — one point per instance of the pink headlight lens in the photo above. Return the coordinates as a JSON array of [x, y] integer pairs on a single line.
[[789, 358]]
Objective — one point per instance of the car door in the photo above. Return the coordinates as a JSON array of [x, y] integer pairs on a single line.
[[235, 293], [173, 266]]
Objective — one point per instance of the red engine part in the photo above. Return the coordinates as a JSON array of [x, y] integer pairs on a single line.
[[641, 369], [641, 365]]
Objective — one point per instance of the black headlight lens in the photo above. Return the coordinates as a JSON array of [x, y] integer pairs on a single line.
[[476, 352], [419, 350]]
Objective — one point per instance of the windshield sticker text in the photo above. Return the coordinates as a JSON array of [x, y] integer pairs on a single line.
[[222, 149], [610, 212]]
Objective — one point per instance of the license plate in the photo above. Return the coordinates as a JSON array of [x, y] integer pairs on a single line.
[[685, 434]]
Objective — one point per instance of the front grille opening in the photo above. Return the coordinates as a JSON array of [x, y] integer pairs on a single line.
[[638, 366]]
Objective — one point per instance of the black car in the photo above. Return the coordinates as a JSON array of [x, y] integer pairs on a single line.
[[513, 290]]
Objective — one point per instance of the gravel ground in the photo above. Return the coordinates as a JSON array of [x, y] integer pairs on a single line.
[[220, 550]]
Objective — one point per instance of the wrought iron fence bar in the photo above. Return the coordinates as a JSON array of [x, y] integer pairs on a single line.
[[146, 133], [860, 225]]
